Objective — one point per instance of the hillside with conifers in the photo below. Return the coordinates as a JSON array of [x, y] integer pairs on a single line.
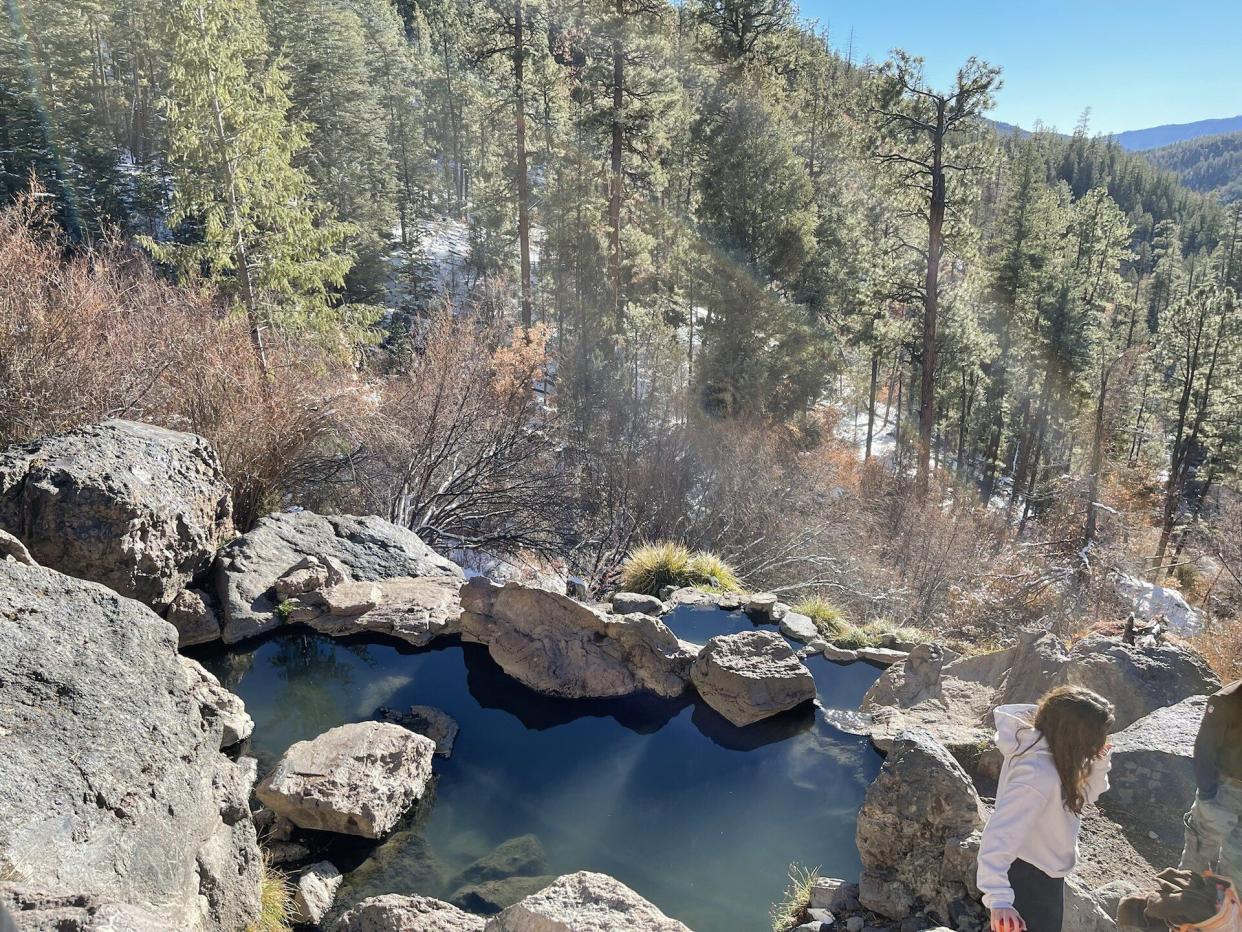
[[547, 280]]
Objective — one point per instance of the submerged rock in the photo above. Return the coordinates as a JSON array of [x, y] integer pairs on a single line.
[[112, 785], [395, 913], [367, 549], [428, 721], [560, 647], [491, 896], [918, 815], [521, 856], [752, 675], [353, 779], [402, 861], [138, 508], [584, 902]]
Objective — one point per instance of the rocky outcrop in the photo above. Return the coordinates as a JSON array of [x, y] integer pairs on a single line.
[[750, 676], [138, 508], [914, 834], [315, 891], [112, 786], [365, 549], [560, 647], [1153, 760], [584, 902], [428, 721], [953, 697], [1139, 680], [353, 779], [395, 913], [38, 911]]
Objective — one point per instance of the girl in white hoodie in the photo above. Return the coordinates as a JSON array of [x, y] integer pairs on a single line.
[[1056, 762]]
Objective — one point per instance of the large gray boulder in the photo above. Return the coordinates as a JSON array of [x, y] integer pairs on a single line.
[[1139, 680], [367, 549], [1153, 761], [138, 508], [584, 902], [750, 676], [560, 647], [395, 913], [356, 779], [914, 832], [953, 698], [112, 785]]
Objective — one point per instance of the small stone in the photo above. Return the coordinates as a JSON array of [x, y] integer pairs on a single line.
[[840, 654], [315, 892], [344, 600], [761, 604], [854, 924], [822, 916], [286, 852], [428, 721], [636, 603], [882, 655]]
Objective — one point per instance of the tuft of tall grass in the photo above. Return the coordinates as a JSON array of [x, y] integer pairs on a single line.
[[275, 901], [873, 633], [829, 620], [650, 567], [791, 911]]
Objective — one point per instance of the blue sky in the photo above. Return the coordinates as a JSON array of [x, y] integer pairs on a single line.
[[1135, 64]]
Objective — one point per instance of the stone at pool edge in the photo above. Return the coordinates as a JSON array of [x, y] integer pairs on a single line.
[[315, 891], [393, 911], [750, 676], [585, 902], [374, 771], [637, 603], [428, 721]]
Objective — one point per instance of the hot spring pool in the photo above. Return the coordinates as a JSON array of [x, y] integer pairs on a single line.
[[700, 817]]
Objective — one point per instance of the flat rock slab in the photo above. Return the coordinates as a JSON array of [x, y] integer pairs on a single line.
[[752, 675], [561, 647], [396, 913], [584, 902], [354, 779], [138, 508], [416, 610], [799, 627], [366, 549], [630, 603]]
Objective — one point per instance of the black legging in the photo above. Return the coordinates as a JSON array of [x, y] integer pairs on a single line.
[[1038, 898]]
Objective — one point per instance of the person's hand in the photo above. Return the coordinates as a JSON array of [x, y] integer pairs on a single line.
[[1006, 919]]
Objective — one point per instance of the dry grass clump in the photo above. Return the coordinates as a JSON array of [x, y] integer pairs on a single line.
[[791, 911], [829, 620], [653, 566], [275, 903]]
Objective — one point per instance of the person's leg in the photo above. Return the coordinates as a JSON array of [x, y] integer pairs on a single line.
[[1206, 825], [1038, 898], [1230, 799]]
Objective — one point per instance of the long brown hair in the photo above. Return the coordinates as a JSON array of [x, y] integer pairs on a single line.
[[1075, 723]]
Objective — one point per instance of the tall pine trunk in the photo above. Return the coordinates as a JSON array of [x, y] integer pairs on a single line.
[[523, 178]]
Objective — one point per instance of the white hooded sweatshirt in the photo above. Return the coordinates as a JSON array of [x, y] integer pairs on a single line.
[[1030, 822]]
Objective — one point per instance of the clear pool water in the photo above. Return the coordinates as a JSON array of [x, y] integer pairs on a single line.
[[700, 817]]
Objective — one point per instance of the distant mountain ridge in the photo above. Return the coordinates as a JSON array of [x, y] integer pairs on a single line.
[[1138, 140], [1209, 164]]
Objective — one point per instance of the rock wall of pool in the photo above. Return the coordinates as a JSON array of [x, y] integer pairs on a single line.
[[701, 817]]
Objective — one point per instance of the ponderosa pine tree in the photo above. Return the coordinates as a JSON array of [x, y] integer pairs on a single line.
[[921, 129]]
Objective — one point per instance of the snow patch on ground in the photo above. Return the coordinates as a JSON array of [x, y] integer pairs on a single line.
[[1151, 601]]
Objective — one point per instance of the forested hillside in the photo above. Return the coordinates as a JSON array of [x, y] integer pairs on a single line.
[[1153, 137], [820, 317], [1211, 165]]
